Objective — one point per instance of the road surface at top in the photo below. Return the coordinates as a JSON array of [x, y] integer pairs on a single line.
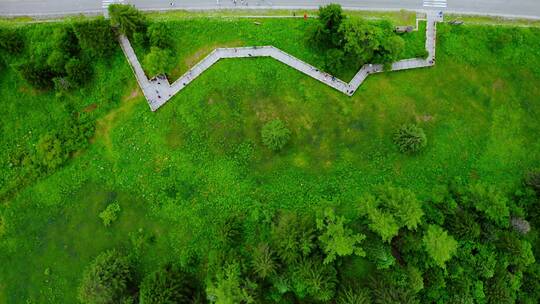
[[511, 8]]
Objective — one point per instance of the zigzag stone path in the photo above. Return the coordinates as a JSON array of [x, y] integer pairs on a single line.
[[158, 90]]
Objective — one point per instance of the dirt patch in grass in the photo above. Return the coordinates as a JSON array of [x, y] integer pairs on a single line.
[[108, 122], [90, 108]]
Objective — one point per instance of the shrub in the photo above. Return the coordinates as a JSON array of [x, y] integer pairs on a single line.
[[168, 285], [95, 36], [10, 40], [37, 74], [390, 209], [50, 152], [127, 18], [106, 280], [158, 61], [353, 296], [263, 262], [336, 239], [78, 72], [275, 135], [490, 201], [439, 245], [532, 180], [110, 214], [159, 36], [326, 33], [410, 139]]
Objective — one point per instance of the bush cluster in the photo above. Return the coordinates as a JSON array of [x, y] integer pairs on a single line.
[[410, 139], [354, 39], [275, 135], [64, 63]]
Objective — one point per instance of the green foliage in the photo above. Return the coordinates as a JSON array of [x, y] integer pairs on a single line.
[[359, 39], [490, 201], [336, 239], [95, 36], [440, 246], [110, 214], [380, 255], [106, 280], [168, 285], [37, 74], [311, 278], [292, 237], [275, 134], [389, 209], [263, 262], [386, 292], [78, 72], [127, 18], [157, 61], [335, 60], [326, 34], [410, 139], [229, 288], [11, 40], [159, 35], [49, 152], [532, 180], [353, 296]]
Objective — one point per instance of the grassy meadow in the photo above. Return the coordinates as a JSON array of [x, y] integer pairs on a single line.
[[180, 172]]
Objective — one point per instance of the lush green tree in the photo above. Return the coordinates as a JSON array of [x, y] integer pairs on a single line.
[[293, 237], [360, 39], [490, 201], [263, 262], [391, 47], [106, 280], [440, 246], [532, 180], [384, 291], [312, 279], [326, 33], [37, 74], [158, 61], [380, 254], [410, 139], [95, 36], [110, 214], [57, 61], [389, 209], [78, 71], [336, 239], [463, 224], [11, 40], [229, 288], [50, 153], [127, 18], [168, 285], [334, 61], [275, 134], [159, 35], [353, 296], [65, 41]]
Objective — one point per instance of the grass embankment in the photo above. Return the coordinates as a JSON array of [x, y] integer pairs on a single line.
[[180, 172]]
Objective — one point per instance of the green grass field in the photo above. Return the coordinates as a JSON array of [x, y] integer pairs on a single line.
[[180, 172]]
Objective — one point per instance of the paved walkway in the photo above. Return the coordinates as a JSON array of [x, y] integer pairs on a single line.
[[158, 90]]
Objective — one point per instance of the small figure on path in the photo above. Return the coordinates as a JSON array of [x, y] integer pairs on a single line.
[[305, 16]]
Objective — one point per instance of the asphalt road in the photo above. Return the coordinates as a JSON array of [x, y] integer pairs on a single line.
[[523, 8]]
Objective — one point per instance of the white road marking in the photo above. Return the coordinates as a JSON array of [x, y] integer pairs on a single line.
[[435, 3]]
